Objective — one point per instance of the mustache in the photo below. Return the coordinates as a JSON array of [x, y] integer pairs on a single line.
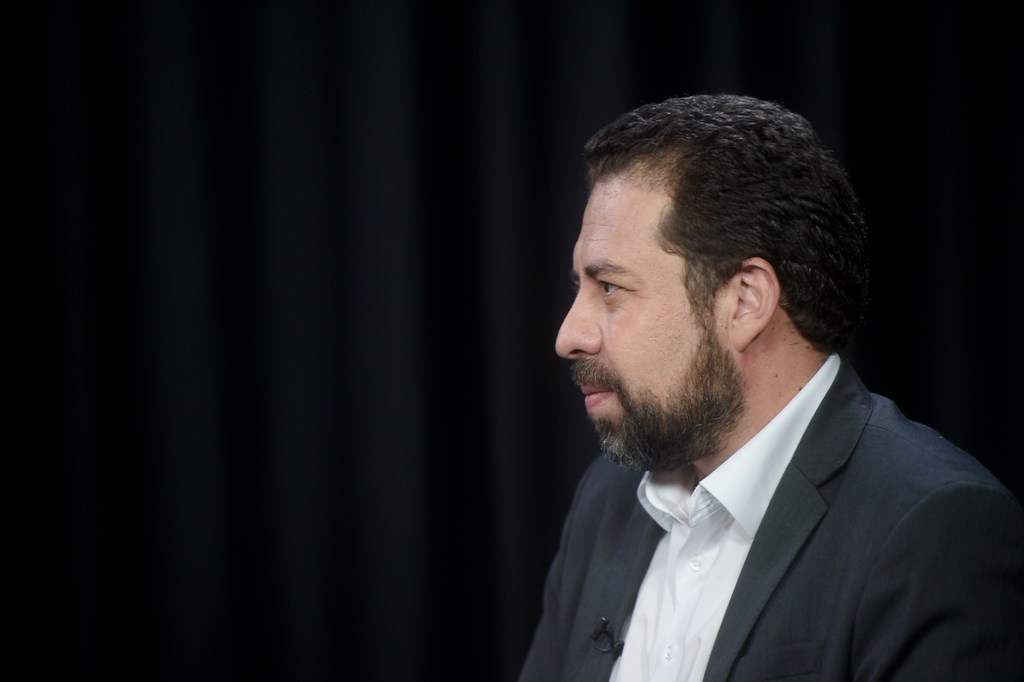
[[589, 371]]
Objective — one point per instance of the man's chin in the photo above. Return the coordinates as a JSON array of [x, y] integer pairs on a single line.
[[617, 454], [607, 425]]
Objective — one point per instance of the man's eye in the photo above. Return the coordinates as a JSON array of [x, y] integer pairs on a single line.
[[609, 288]]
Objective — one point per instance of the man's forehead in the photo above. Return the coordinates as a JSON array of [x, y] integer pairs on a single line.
[[619, 230]]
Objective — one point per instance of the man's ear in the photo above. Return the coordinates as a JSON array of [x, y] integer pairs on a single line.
[[755, 293]]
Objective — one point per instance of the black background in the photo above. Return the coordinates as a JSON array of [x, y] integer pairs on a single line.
[[308, 262]]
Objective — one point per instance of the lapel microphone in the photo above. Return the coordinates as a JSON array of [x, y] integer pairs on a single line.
[[604, 640]]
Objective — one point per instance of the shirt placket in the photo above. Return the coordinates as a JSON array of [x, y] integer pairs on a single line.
[[691, 556]]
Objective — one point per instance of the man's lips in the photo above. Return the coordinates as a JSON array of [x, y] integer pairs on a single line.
[[594, 395]]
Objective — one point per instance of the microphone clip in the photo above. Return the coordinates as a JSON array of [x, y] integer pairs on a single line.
[[604, 640]]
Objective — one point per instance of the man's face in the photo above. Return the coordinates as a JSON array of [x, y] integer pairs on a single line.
[[660, 389]]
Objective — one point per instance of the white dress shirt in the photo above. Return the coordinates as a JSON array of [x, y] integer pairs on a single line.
[[683, 597]]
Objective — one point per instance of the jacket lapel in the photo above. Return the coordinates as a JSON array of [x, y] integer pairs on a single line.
[[616, 591], [794, 511]]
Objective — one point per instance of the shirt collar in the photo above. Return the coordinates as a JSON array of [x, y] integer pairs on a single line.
[[745, 482]]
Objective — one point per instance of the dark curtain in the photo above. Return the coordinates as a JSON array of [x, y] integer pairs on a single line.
[[309, 259]]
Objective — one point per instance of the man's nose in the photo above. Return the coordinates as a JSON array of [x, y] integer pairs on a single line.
[[578, 335]]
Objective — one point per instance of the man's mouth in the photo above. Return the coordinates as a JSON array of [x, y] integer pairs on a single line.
[[594, 395]]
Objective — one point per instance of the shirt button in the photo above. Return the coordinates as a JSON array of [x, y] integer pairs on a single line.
[[696, 563], [670, 652]]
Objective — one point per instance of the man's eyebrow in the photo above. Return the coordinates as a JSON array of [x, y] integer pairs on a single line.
[[598, 270], [604, 268]]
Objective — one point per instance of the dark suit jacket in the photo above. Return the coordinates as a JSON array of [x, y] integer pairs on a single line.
[[886, 553]]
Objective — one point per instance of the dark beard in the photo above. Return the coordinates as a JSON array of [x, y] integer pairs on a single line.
[[691, 426]]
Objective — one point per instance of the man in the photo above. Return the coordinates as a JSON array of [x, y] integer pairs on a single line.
[[758, 514]]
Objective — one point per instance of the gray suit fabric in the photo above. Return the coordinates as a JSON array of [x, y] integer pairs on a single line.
[[886, 553]]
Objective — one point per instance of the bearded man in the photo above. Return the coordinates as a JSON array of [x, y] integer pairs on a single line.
[[757, 513]]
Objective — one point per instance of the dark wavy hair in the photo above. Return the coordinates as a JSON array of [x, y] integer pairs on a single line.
[[748, 177]]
